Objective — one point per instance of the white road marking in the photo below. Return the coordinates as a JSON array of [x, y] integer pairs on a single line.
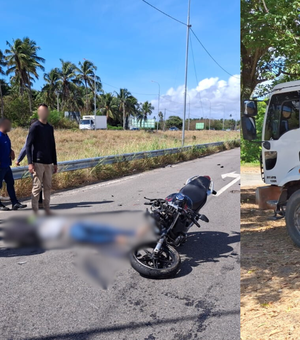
[[232, 175]]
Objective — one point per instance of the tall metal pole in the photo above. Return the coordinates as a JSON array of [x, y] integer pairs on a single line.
[[95, 101], [209, 115], [186, 71], [158, 99], [189, 116], [189, 119]]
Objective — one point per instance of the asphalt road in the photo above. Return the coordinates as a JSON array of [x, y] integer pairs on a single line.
[[251, 180], [42, 296]]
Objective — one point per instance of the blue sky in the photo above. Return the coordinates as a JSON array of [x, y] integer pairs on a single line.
[[132, 44]]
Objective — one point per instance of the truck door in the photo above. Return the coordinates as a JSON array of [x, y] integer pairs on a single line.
[[281, 135]]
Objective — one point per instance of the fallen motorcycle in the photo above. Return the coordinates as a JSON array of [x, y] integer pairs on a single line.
[[171, 218]]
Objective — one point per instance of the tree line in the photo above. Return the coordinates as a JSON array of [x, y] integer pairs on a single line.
[[68, 87], [270, 54]]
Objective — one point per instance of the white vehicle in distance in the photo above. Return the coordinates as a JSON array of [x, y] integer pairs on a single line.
[[93, 123]]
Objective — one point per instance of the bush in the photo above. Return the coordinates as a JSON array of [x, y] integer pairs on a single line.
[[17, 110], [58, 121], [110, 127]]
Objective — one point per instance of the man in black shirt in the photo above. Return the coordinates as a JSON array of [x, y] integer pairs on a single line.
[[42, 160]]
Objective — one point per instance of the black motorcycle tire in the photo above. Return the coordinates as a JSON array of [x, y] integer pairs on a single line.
[[155, 273]]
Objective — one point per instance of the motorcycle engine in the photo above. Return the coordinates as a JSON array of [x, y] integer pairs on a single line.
[[182, 225]]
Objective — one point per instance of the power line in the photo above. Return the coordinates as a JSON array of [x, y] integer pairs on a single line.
[[195, 70], [141, 94], [205, 49], [181, 22], [194, 61]]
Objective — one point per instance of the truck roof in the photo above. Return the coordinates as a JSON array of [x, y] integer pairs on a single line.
[[286, 86]]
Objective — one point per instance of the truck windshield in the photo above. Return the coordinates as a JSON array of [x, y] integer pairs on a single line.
[[85, 122], [282, 115]]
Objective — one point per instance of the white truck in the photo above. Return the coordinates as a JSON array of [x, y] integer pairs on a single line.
[[93, 123], [280, 156]]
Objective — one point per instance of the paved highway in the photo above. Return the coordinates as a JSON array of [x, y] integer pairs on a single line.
[[43, 297]]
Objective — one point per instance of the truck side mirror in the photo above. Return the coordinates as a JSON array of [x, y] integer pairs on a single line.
[[250, 108], [248, 120], [249, 128]]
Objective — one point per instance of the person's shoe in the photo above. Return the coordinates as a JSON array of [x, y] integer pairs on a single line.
[[3, 207], [19, 206]]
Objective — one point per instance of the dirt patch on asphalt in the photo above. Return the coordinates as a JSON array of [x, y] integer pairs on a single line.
[[270, 275]]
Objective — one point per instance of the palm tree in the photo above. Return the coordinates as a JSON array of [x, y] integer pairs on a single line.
[[146, 109], [125, 102], [52, 86], [2, 65], [67, 81], [23, 64], [109, 106], [86, 75]]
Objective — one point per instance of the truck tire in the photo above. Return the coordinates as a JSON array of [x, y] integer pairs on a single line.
[[292, 217]]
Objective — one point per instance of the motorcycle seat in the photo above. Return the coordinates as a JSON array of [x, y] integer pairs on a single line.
[[197, 193]]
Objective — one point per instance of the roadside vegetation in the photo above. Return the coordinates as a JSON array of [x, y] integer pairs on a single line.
[[76, 144], [107, 172], [269, 56], [72, 88]]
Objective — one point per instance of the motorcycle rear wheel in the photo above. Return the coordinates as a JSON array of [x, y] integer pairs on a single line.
[[162, 266]]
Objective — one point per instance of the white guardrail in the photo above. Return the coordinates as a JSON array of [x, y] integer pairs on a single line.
[[79, 164]]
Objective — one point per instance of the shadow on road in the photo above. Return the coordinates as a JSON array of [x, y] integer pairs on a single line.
[[63, 206], [85, 335], [16, 252], [207, 246]]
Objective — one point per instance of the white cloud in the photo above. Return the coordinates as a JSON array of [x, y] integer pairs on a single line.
[[221, 95]]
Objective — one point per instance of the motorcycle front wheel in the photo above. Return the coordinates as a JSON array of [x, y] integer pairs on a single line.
[[161, 266]]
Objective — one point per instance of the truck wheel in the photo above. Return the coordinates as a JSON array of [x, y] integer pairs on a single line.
[[292, 217]]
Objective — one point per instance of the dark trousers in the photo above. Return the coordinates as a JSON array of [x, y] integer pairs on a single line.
[[7, 176]]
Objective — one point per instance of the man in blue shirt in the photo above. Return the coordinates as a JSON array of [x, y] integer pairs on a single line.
[[6, 156]]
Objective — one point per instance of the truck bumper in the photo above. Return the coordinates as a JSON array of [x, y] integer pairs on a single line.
[[265, 194]]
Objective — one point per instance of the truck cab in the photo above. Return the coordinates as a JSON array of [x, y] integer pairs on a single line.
[[93, 123], [280, 156], [87, 124]]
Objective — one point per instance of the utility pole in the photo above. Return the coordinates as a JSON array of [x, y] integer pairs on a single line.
[[186, 71], [165, 119], [158, 99], [95, 101], [189, 119]]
